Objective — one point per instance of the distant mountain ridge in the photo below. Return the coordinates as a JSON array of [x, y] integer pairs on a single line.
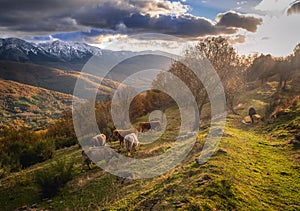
[[58, 54], [69, 51], [53, 54]]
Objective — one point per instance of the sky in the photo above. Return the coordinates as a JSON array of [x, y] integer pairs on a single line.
[[252, 26]]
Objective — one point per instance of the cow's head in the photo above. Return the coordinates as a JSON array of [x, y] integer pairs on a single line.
[[115, 136]]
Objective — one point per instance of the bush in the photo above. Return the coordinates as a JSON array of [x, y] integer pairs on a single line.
[[37, 153], [18, 147], [52, 179], [10, 162], [65, 142], [3, 171], [28, 157], [62, 128], [45, 149]]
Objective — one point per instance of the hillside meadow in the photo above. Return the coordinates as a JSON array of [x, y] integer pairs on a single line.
[[256, 167]]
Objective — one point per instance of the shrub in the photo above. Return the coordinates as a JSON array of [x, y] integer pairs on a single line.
[[39, 152], [4, 170], [45, 149], [10, 162], [50, 180], [65, 142], [21, 147], [28, 157], [62, 128]]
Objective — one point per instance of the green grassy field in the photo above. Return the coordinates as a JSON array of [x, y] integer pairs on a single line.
[[254, 168]]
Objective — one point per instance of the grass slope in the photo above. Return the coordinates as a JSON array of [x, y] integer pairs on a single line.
[[250, 171]]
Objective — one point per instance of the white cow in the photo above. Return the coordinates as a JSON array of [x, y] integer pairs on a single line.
[[131, 142], [98, 140]]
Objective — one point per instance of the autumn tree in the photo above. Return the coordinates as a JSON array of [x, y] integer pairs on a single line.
[[63, 130], [224, 60], [228, 64], [102, 111]]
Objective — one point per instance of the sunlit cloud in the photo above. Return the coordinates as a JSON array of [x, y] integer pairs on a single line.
[[234, 19], [143, 42]]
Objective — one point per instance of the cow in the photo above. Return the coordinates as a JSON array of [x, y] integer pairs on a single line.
[[97, 154], [145, 126], [251, 113], [247, 120], [98, 140], [131, 142], [85, 160], [120, 134]]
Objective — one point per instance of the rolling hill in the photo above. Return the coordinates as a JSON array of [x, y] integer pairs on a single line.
[[50, 78], [31, 106], [30, 91]]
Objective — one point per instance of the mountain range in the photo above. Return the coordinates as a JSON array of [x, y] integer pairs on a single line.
[[58, 54]]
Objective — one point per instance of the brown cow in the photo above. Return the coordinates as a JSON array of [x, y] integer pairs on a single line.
[[120, 134], [145, 126]]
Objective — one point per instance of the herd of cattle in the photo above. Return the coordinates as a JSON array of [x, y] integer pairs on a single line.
[[127, 138]]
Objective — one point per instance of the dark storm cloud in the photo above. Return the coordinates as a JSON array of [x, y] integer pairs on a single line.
[[294, 8], [49, 25], [106, 15], [126, 16], [38, 15], [55, 15], [184, 25], [233, 19]]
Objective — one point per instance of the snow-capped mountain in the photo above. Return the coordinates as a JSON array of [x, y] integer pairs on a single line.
[[58, 54], [70, 50], [15, 43], [19, 50], [15, 49]]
